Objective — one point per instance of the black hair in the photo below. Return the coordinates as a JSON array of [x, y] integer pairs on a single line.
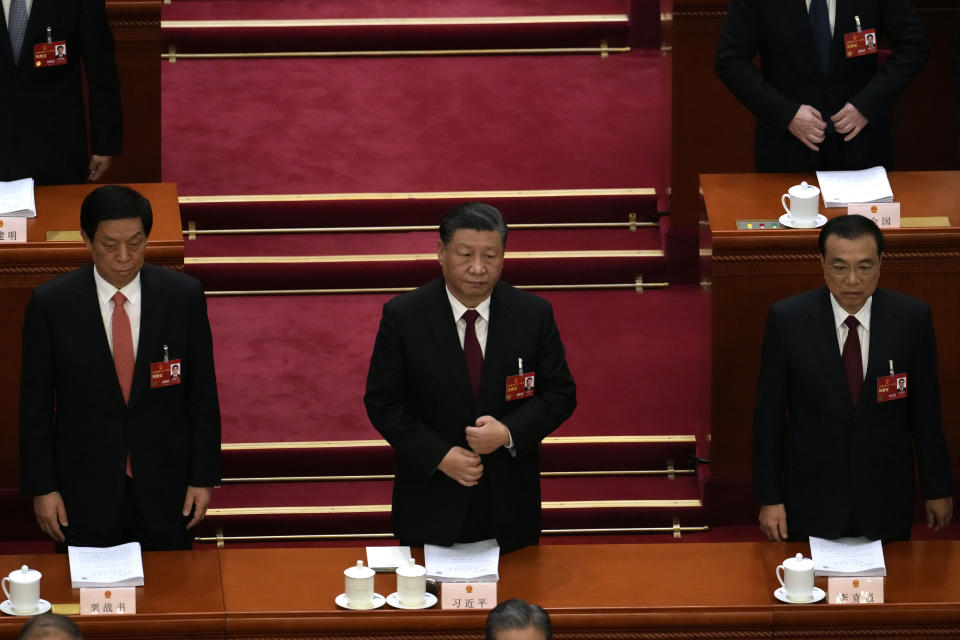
[[114, 202], [473, 215], [850, 227], [48, 625], [518, 614]]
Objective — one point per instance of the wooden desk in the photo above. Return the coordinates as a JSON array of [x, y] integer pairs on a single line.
[[24, 266], [745, 271]]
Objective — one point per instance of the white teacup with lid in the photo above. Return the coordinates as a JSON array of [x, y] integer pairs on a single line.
[[358, 586], [797, 578], [22, 587], [804, 204], [411, 584]]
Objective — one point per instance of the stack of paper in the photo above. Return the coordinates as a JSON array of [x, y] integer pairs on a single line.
[[16, 199], [120, 566], [384, 559], [840, 188], [847, 557], [463, 562]]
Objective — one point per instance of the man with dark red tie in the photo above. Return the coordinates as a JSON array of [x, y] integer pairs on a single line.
[[834, 430], [447, 388], [114, 448]]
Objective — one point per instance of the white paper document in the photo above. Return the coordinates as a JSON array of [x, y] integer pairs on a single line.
[[847, 557], [463, 562], [16, 199], [840, 188], [120, 566], [387, 558]]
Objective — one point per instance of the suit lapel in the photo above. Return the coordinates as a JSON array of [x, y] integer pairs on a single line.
[[150, 295], [828, 350], [800, 15], [881, 332], [842, 23], [91, 324], [444, 332], [40, 18], [496, 356]]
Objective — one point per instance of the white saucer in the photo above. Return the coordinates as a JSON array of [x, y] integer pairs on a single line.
[[787, 221], [428, 601], [42, 607], [817, 595], [378, 601]]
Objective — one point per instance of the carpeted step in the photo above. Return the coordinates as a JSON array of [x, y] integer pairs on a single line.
[[412, 125], [337, 210]]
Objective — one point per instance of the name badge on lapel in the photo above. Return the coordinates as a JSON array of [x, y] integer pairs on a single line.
[[165, 373], [860, 43], [892, 387], [521, 385]]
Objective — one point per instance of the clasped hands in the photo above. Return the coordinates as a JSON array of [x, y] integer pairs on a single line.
[[464, 465], [809, 127]]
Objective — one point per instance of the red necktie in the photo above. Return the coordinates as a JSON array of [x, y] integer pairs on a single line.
[[472, 352], [122, 352], [852, 360]]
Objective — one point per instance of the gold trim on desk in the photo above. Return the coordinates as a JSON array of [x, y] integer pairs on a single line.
[[392, 22], [525, 287], [417, 195], [338, 444], [64, 236], [604, 51]]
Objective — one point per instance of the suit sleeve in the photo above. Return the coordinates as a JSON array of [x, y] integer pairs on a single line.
[[739, 43], [909, 46], [925, 423], [556, 393], [388, 406], [770, 416], [37, 466], [103, 83], [203, 406]]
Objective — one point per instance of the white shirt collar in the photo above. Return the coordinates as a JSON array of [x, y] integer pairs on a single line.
[[105, 290], [458, 307], [862, 316]]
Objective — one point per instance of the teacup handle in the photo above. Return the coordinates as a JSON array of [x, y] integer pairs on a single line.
[[780, 577], [783, 201], [3, 583]]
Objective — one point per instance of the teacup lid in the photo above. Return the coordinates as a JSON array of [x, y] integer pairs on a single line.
[[411, 569], [798, 563], [803, 190], [24, 574], [359, 571]]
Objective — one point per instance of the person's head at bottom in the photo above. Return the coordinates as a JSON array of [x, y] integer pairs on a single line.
[[518, 620], [50, 626]]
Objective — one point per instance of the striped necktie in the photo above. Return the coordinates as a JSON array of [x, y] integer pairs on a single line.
[[17, 26]]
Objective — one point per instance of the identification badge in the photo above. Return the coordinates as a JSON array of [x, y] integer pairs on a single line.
[[892, 387], [521, 386], [860, 43], [164, 374], [50, 54]]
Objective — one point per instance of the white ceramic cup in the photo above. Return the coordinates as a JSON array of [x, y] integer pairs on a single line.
[[411, 584], [804, 204], [358, 585], [797, 578], [22, 587]]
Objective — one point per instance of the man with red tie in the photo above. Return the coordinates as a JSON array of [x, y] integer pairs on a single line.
[[112, 447], [446, 388], [834, 431]]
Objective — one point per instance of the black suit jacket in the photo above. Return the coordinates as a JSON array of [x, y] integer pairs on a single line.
[[42, 122], [419, 397], [830, 461], [791, 74], [76, 431]]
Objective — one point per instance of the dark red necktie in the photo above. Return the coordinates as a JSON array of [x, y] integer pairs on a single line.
[[472, 352], [852, 360]]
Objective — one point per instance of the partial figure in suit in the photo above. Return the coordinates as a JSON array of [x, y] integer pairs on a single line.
[[816, 108], [830, 458], [43, 132], [468, 460], [113, 448]]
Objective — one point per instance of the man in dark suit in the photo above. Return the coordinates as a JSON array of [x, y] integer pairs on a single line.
[[42, 121], [468, 459], [112, 447], [832, 457], [816, 108]]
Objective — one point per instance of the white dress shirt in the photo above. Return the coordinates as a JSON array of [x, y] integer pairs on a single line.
[[6, 9], [481, 325], [863, 331], [105, 292], [831, 10]]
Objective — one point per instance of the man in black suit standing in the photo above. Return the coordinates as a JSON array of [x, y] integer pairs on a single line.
[[834, 437], [815, 107], [112, 447], [446, 388], [42, 120]]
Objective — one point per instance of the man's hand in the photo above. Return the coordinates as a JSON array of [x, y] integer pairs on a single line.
[[488, 435], [50, 514], [462, 465], [98, 167], [939, 513], [196, 500], [773, 522], [848, 122], [808, 126]]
